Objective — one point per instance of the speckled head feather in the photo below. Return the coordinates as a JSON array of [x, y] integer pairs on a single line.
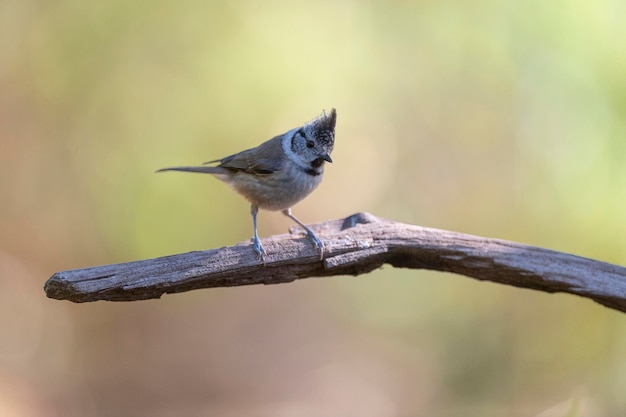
[[322, 128]]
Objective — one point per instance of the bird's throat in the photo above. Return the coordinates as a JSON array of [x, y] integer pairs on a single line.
[[314, 172]]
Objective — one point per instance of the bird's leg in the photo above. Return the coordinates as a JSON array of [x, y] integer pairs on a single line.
[[316, 240], [256, 243]]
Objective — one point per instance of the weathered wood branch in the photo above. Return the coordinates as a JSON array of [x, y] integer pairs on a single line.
[[355, 245]]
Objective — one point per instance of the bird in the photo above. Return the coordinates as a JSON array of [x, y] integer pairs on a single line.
[[278, 173]]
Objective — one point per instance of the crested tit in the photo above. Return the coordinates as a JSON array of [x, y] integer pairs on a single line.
[[278, 173]]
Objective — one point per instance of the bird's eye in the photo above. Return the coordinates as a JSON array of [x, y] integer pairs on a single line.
[[309, 144]]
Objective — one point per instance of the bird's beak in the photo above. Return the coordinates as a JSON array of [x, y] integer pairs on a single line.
[[327, 158]]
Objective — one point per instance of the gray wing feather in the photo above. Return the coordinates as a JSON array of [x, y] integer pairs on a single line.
[[265, 159]]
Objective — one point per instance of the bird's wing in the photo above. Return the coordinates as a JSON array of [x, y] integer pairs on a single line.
[[262, 160]]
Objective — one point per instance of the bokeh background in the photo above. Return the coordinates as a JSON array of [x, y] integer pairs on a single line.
[[497, 118]]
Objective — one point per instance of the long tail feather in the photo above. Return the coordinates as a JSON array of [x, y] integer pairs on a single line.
[[200, 169]]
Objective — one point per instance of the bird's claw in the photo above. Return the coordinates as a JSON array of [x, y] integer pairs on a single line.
[[258, 248], [316, 242]]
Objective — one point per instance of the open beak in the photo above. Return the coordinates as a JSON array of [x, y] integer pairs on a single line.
[[327, 158]]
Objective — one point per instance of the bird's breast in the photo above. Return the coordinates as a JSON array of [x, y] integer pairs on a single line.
[[279, 190]]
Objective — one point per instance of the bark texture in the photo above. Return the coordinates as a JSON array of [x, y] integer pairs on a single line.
[[355, 245]]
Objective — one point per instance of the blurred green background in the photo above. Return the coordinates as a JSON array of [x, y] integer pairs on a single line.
[[497, 118]]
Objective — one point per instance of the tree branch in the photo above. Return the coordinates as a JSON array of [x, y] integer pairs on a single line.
[[355, 245]]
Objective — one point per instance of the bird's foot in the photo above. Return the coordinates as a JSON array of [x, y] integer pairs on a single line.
[[316, 241], [311, 235], [258, 248]]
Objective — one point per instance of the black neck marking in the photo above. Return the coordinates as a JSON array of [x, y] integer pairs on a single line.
[[316, 168], [293, 141], [312, 172], [317, 163]]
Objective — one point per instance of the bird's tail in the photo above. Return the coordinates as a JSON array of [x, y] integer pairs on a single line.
[[200, 169]]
